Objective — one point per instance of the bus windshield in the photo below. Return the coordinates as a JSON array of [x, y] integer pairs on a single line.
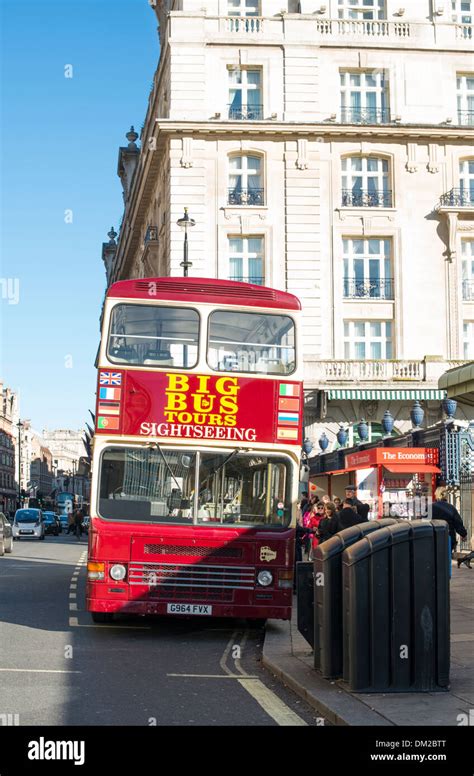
[[251, 342], [158, 485], [152, 335]]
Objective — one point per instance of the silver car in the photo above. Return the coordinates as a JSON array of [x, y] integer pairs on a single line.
[[28, 522], [6, 535]]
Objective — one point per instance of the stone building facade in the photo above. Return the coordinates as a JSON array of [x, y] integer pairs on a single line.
[[8, 479], [325, 150]]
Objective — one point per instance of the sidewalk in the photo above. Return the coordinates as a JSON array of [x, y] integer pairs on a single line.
[[287, 655]]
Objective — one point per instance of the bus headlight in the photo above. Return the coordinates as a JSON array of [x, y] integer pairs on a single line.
[[118, 572], [265, 578]]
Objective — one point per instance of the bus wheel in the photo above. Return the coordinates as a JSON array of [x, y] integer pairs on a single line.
[[101, 616]]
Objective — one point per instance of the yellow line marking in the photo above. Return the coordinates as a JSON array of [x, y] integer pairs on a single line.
[[272, 705]]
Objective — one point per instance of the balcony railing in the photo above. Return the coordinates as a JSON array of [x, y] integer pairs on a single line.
[[368, 289], [360, 371], [245, 197], [367, 28], [468, 290], [246, 113], [249, 24], [366, 198], [365, 116], [258, 280], [457, 198], [466, 118]]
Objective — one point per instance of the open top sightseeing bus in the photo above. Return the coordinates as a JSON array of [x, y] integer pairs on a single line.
[[196, 451]]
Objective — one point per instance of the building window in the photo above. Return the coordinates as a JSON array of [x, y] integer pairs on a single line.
[[466, 181], [245, 181], [243, 7], [465, 96], [364, 97], [467, 251], [246, 259], [468, 339], [367, 269], [245, 94], [365, 182], [367, 340], [461, 11], [362, 9]]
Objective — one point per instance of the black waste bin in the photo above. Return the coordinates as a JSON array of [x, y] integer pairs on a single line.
[[305, 599], [396, 609], [328, 595]]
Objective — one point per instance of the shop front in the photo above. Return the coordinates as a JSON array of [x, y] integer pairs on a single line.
[[396, 482]]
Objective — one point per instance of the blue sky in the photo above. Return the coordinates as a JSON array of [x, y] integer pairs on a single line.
[[59, 145]]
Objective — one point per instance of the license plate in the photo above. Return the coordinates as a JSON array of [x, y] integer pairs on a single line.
[[26, 532], [189, 609]]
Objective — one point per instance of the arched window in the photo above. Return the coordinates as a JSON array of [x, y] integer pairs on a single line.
[[245, 180], [366, 182]]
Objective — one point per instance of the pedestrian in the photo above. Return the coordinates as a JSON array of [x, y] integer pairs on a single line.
[[352, 499], [304, 502], [325, 499], [443, 510], [70, 522], [316, 515], [328, 524], [78, 516], [347, 516], [337, 503]]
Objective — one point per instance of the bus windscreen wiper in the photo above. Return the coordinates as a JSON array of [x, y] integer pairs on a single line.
[[166, 464], [234, 452]]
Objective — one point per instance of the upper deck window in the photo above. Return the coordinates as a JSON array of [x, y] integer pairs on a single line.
[[154, 336], [251, 342]]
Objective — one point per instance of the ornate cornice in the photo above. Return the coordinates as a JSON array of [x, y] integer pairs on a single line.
[[270, 128]]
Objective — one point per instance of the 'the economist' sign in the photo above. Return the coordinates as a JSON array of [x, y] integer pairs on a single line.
[[205, 407], [392, 455]]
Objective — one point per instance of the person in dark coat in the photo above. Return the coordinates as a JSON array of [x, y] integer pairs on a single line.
[[443, 510], [327, 525], [352, 499], [346, 517]]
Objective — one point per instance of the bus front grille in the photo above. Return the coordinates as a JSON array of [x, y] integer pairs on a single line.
[[193, 551], [191, 581]]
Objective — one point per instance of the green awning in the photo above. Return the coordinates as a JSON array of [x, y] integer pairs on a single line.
[[459, 383], [422, 394]]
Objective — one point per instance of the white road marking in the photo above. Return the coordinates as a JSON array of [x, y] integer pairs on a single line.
[[216, 676], [266, 698], [38, 671], [73, 608]]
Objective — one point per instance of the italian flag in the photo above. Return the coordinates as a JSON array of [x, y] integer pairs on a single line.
[[289, 389]]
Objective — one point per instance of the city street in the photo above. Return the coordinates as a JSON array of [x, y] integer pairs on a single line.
[[57, 668]]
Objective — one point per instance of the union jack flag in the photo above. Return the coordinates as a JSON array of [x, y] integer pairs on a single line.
[[110, 378]]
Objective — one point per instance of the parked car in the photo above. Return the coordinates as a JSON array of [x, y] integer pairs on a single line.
[[28, 522], [52, 524], [63, 519], [6, 535]]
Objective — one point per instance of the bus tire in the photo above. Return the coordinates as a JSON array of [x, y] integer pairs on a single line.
[[101, 617]]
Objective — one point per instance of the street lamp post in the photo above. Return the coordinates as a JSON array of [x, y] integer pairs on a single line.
[[19, 426], [74, 479], [185, 223]]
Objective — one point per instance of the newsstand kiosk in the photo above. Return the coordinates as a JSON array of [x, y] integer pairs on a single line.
[[394, 481]]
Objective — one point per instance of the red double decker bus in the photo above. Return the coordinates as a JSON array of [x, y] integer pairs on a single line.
[[197, 450]]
